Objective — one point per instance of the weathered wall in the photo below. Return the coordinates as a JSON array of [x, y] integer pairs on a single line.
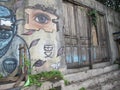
[[43, 25], [38, 25], [113, 23], [35, 24], [9, 38]]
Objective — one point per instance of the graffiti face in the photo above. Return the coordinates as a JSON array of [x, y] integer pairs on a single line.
[[6, 32], [48, 50], [10, 43], [7, 29], [39, 19]]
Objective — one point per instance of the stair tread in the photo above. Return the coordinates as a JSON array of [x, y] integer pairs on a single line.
[[90, 73], [96, 80]]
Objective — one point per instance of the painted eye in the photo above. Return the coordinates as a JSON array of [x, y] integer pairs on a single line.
[[42, 18]]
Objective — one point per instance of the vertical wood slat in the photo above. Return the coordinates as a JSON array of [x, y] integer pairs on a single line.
[[66, 27], [82, 29]]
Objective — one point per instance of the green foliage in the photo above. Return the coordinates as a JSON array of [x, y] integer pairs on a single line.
[[53, 89], [82, 88], [93, 15], [1, 76], [66, 82], [27, 63], [38, 79]]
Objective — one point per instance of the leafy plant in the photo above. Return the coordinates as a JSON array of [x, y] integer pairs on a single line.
[[1, 76], [93, 14], [38, 79], [52, 89], [66, 82], [82, 88], [27, 63]]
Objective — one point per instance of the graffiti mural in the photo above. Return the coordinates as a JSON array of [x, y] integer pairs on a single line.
[[40, 17], [9, 42], [39, 63], [56, 65], [18, 4], [48, 50], [60, 51], [42, 25]]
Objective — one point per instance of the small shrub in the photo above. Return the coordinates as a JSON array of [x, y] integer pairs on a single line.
[[38, 79], [66, 82], [53, 89], [1, 76], [82, 88]]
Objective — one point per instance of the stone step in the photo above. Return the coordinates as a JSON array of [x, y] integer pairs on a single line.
[[81, 79], [81, 76], [98, 81], [110, 84]]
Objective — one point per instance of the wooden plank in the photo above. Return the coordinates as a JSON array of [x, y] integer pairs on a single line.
[[71, 19], [82, 20], [65, 20]]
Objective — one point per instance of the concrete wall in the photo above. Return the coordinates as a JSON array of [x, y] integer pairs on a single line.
[[43, 34], [113, 24], [38, 25]]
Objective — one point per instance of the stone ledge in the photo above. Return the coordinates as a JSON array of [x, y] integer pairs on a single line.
[[92, 81]]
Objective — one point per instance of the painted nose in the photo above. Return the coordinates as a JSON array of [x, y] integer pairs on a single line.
[[9, 65]]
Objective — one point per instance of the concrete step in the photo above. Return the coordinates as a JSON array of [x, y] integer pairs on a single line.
[[81, 76], [104, 81], [95, 66], [109, 84], [87, 78]]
